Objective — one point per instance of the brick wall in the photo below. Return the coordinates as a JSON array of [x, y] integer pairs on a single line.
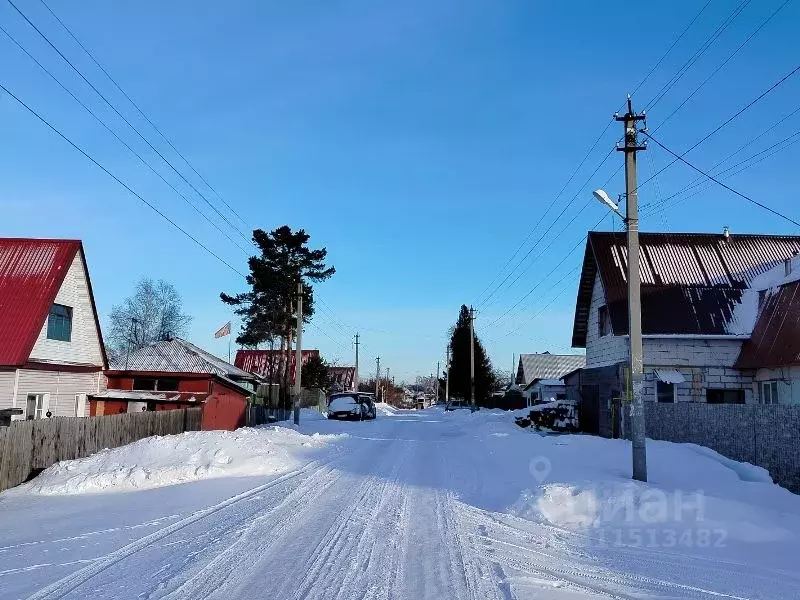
[[764, 435], [699, 379], [606, 350]]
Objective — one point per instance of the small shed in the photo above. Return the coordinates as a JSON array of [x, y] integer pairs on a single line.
[[539, 391]]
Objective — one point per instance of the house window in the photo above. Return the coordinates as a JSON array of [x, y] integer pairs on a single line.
[[666, 392], [167, 385], [603, 321], [769, 392], [59, 323], [717, 396], [147, 384], [34, 408]]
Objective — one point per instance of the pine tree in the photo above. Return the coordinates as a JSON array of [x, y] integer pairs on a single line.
[[267, 310], [460, 367]]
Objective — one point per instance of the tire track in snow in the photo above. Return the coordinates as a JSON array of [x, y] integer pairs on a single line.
[[593, 576], [72, 581], [330, 553], [256, 539]]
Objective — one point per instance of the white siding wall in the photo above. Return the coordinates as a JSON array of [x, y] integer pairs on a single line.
[[606, 350], [62, 387], [84, 348], [7, 389]]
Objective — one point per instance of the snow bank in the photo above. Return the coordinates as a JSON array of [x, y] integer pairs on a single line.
[[160, 461]]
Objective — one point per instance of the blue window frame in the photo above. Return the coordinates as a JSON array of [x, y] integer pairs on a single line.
[[59, 323]]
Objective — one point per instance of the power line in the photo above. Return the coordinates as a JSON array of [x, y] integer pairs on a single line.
[[575, 171], [718, 182], [114, 108], [698, 53], [723, 63], [674, 43], [726, 122], [549, 228], [119, 139], [766, 152], [139, 110], [119, 181]]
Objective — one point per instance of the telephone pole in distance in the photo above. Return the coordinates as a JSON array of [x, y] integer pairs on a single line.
[[378, 379], [355, 375], [472, 358]]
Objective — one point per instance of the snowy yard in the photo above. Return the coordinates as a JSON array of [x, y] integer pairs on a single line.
[[417, 504]]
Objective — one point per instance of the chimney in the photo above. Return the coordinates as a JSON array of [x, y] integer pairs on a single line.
[[787, 267], [726, 233]]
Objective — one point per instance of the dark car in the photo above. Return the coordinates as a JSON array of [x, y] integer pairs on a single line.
[[351, 405]]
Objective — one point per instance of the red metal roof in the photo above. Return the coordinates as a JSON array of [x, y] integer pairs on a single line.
[[776, 337], [31, 273], [691, 282], [262, 362]]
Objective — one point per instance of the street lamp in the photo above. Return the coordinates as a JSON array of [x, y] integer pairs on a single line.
[[636, 354]]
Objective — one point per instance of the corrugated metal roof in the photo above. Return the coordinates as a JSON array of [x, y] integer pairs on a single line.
[[31, 273], [178, 356], [261, 362], [775, 341], [344, 376], [692, 283], [547, 366]]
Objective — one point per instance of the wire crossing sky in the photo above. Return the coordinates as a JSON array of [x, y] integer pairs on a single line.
[[444, 152]]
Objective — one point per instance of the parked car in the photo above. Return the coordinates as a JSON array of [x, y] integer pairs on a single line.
[[457, 405], [352, 405]]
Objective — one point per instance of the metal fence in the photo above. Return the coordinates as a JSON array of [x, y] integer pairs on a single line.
[[27, 447], [766, 435]]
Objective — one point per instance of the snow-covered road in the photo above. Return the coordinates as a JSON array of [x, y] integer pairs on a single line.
[[418, 504]]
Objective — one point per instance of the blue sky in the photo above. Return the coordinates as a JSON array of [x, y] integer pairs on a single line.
[[419, 142]]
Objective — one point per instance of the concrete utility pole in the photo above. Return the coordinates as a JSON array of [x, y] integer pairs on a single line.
[[436, 383], [631, 146], [472, 358], [298, 353], [355, 376], [386, 387], [378, 380], [447, 379]]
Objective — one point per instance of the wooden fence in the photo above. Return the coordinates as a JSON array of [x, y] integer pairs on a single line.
[[263, 415], [27, 447]]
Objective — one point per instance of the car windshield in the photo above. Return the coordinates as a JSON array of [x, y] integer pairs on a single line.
[[342, 403]]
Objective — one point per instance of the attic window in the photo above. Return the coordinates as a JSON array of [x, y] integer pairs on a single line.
[[59, 323], [603, 321]]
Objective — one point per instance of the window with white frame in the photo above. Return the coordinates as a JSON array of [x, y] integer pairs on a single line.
[[769, 392], [34, 407]]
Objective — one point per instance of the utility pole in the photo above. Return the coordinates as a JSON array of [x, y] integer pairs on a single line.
[[631, 146], [447, 378], [472, 358], [298, 353], [355, 376], [436, 383], [386, 387], [378, 380]]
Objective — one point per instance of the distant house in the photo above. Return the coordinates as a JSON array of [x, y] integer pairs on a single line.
[[773, 349], [544, 390], [342, 378], [546, 366], [51, 349], [696, 316], [268, 364], [175, 374]]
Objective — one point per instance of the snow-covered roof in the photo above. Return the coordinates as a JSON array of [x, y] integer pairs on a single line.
[[178, 356], [692, 283], [547, 366]]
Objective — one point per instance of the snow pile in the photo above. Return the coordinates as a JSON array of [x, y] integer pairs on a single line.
[[387, 410], [166, 460], [584, 484]]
